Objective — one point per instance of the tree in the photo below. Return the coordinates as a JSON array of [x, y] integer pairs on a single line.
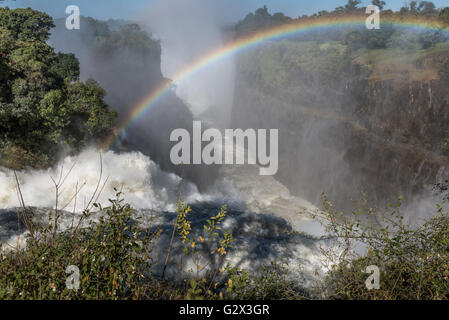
[[322, 13], [66, 66], [444, 14], [352, 5], [414, 7], [261, 18], [279, 17], [263, 12], [379, 3], [43, 105], [427, 7], [419, 7], [370, 39], [25, 24], [5, 72]]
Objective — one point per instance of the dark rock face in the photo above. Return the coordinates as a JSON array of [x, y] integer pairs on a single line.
[[151, 136], [383, 137], [400, 150], [127, 64]]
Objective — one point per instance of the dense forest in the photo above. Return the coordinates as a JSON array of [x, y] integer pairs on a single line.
[[44, 108]]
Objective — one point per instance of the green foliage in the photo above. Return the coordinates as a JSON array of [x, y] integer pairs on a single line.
[[405, 40], [370, 39], [128, 36], [270, 284], [43, 105], [444, 14], [26, 24], [413, 260], [261, 18], [430, 39], [234, 283], [419, 7], [381, 4], [352, 5], [286, 63], [66, 66], [427, 7], [93, 31], [111, 254], [212, 229], [113, 257], [183, 224], [214, 239]]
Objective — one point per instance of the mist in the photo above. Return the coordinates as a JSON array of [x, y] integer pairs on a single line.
[[326, 145], [88, 178], [187, 31]]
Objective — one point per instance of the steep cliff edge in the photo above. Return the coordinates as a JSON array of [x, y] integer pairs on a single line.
[[126, 61], [374, 121]]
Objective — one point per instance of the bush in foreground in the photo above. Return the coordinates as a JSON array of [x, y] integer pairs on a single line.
[[413, 261], [113, 256]]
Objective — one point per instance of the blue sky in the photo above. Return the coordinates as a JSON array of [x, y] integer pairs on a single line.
[[129, 9]]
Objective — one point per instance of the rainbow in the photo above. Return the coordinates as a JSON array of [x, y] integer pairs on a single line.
[[298, 27]]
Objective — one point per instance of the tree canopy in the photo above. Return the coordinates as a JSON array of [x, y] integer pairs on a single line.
[[261, 18], [44, 107], [381, 4], [26, 24], [419, 7], [444, 14]]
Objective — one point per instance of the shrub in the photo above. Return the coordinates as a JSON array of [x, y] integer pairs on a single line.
[[270, 284], [111, 254], [413, 261]]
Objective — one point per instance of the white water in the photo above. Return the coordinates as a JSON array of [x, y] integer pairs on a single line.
[[143, 184], [210, 89]]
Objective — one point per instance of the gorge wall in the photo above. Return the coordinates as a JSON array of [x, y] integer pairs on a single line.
[[126, 61], [348, 125]]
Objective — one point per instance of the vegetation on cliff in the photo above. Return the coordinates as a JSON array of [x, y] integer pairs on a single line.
[[350, 43], [376, 99], [44, 108], [411, 259]]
